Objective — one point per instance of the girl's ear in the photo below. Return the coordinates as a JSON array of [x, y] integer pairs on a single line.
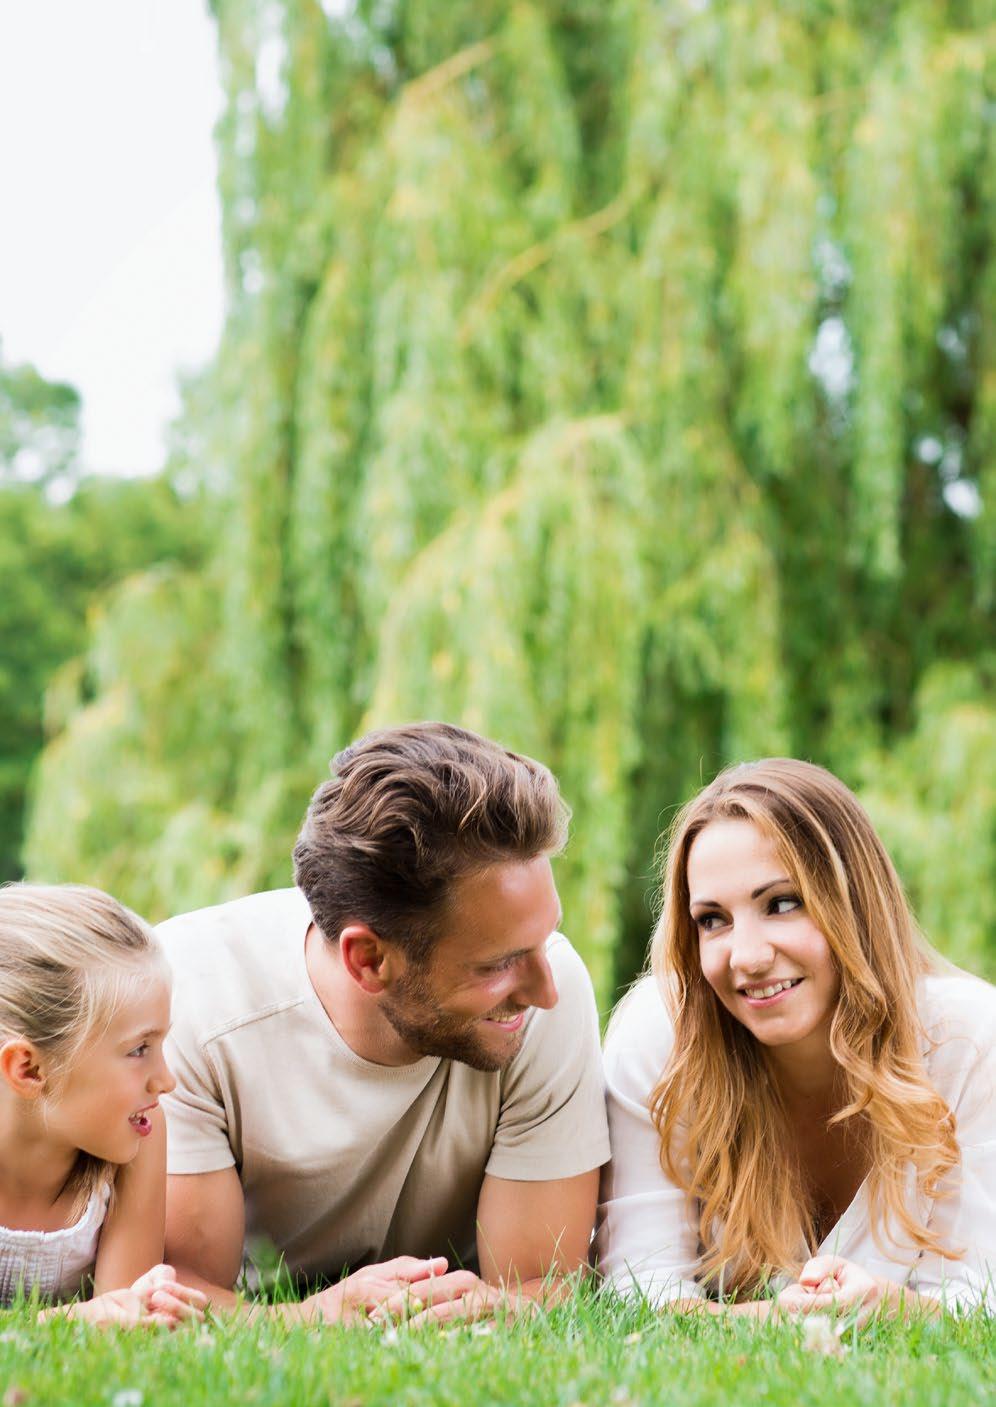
[[22, 1067]]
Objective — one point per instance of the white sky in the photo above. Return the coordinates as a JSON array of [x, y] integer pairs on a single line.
[[110, 261]]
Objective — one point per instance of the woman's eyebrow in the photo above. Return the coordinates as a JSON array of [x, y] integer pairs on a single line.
[[770, 885], [755, 894]]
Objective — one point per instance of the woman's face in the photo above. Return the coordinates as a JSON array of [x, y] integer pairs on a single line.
[[761, 953]]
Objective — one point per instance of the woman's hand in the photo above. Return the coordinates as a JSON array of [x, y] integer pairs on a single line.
[[831, 1284]]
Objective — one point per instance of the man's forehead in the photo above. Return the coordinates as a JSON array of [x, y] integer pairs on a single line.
[[502, 913]]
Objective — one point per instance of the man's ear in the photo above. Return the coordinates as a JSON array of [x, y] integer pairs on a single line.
[[23, 1067], [372, 963]]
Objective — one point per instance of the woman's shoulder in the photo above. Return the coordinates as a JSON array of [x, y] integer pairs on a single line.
[[641, 1031], [957, 1004], [958, 1014]]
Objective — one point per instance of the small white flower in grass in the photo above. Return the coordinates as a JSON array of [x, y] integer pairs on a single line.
[[819, 1336], [634, 1337], [390, 1337], [128, 1397], [485, 1326]]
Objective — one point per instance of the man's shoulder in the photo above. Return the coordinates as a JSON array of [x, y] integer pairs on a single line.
[[244, 916], [571, 976], [235, 961]]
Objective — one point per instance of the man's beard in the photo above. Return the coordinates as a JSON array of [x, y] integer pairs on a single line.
[[415, 1015]]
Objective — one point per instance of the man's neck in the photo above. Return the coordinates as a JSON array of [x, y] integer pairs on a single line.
[[353, 1012]]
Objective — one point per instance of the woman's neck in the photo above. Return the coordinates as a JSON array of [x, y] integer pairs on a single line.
[[806, 1072]]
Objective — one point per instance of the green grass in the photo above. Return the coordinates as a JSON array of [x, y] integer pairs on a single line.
[[591, 1353]]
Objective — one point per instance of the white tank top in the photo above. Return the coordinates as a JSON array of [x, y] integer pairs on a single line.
[[53, 1261]]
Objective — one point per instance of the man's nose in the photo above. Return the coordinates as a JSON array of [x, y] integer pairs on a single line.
[[537, 987]]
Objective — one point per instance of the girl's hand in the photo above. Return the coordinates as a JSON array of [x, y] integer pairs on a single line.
[[164, 1300], [833, 1284], [157, 1297]]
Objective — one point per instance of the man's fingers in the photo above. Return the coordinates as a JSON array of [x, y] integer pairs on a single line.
[[466, 1308], [409, 1268], [409, 1300]]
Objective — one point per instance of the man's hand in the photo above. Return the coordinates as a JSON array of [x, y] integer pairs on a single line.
[[831, 1284], [460, 1295], [366, 1291]]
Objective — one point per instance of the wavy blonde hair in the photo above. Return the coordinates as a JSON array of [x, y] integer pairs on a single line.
[[69, 955], [716, 1107]]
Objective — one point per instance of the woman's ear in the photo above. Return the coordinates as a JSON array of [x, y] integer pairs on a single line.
[[23, 1068]]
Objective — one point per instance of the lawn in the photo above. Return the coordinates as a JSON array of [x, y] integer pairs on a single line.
[[586, 1354]]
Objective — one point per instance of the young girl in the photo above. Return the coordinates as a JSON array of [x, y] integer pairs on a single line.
[[84, 1009], [801, 1091]]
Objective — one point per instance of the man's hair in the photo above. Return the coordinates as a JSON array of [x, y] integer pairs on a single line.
[[407, 812]]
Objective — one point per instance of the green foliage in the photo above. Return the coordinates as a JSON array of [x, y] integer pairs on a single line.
[[55, 561], [39, 428], [618, 379]]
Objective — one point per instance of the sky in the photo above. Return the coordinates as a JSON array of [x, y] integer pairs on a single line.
[[110, 258]]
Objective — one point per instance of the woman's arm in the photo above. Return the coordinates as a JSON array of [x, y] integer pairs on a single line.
[[646, 1240], [963, 1216]]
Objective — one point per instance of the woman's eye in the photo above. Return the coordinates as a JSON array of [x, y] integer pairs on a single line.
[[785, 903], [707, 922]]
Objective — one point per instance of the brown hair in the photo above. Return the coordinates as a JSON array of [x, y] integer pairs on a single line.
[[408, 811], [68, 956], [716, 1108]]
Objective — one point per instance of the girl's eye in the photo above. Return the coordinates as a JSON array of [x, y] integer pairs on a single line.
[[785, 904], [142, 1049]]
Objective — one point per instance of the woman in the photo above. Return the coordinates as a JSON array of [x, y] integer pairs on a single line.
[[801, 1095]]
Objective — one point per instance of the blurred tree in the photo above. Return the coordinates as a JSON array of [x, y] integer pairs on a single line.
[[618, 379], [56, 557], [39, 429]]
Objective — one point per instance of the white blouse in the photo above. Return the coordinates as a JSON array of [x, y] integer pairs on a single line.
[[647, 1233], [53, 1262]]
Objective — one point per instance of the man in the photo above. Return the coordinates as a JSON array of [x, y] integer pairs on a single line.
[[393, 1069]]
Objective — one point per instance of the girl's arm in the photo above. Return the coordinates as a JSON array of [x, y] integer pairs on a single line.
[[131, 1241]]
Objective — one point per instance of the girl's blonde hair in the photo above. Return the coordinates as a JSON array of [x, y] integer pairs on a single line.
[[717, 1110], [69, 955]]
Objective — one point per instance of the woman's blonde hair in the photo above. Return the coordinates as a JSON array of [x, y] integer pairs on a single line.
[[69, 955], [720, 1118]]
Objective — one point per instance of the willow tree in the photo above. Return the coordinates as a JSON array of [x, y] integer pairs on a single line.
[[615, 378]]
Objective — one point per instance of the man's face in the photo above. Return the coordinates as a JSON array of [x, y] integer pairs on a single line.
[[470, 998]]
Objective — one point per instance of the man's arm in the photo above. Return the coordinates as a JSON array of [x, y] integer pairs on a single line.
[[205, 1228], [530, 1236], [529, 1233]]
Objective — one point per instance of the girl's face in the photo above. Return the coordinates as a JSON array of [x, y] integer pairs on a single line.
[[105, 1103], [761, 953]]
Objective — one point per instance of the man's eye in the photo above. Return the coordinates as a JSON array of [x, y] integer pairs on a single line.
[[785, 904]]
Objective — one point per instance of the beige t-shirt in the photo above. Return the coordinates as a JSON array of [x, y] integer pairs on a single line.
[[344, 1162]]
